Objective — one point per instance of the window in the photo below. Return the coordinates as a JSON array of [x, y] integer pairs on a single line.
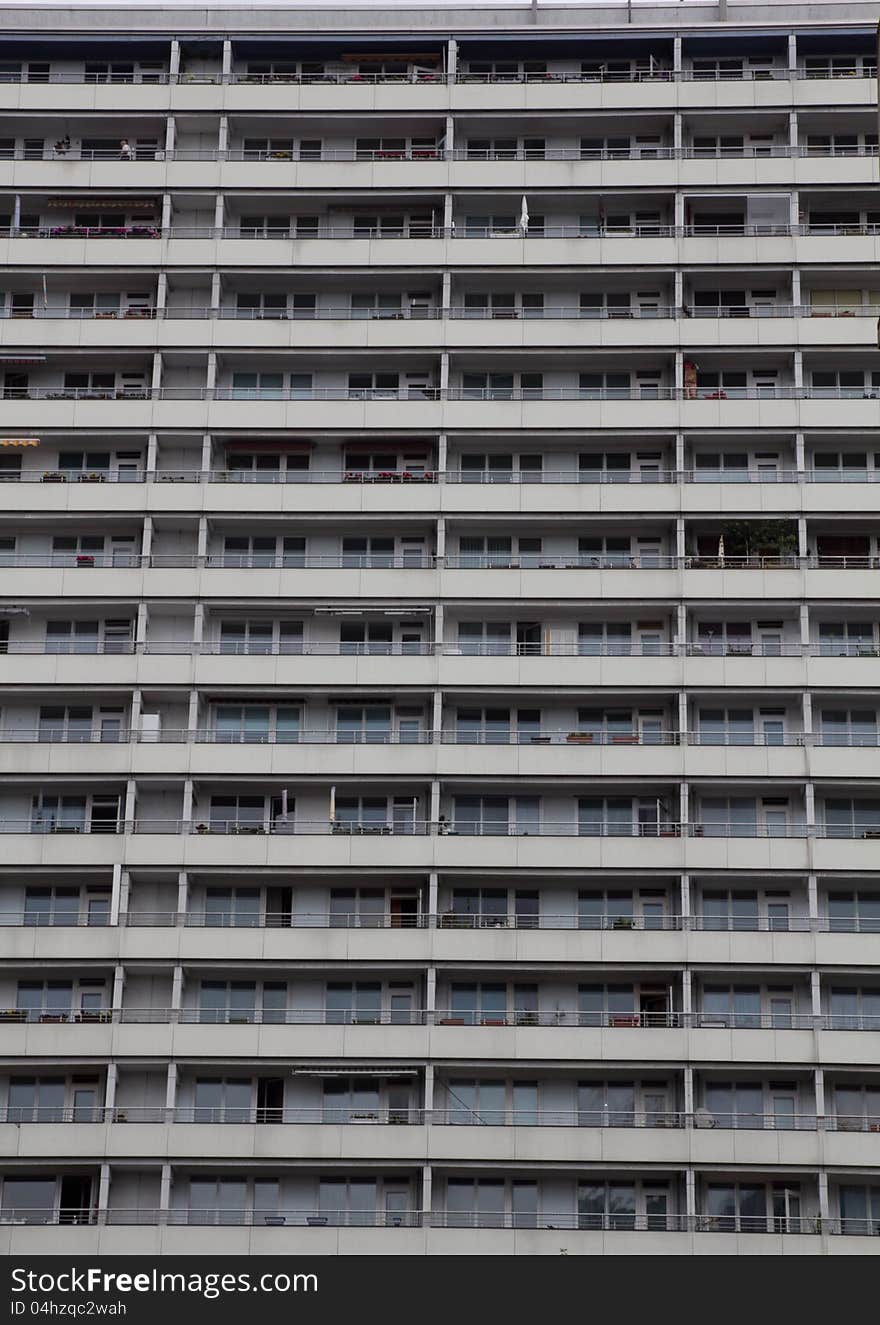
[[238, 907], [222, 1100]]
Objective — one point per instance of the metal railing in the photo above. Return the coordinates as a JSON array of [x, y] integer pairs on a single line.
[[649, 230], [116, 560], [619, 1221], [559, 1017], [451, 919], [421, 649], [346, 313], [512, 477]]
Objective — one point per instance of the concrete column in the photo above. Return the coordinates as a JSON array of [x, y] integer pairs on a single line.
[[211, 374], [810, 805], [444, 371], [812, 897], [115, 894], [439, 623], [202, 543], [433, 881], [687, 1005], [103, 1189], [110, 1089], [118, 986], [170, 135], [161, 292], [166, 212], [684, 884], [798, 370], [683, 717], [16, 212], [437, 714], [187, 806], [198, 625], [678, 289], [216, 292], [171, 1089], [165, 1189], [441, 540], [450, 137], [815, 994], [177, 989], [684, 803], [678, 214], [130, 803], [446, 295], [819, 1092], [690, 1196], [207, 453], [680, 537], [688, 1093], [226, 68], [796, 289], [174, 61], [147, 539], [448, 222], [219, 212], [124, 893], [136, 707], [152, 455], [442, 454], [431, 992], [800, 459], [427, 1192], [434, 812], [679, 372], [807, 710], [156, 376], [223, 136], [824, 1200], [451, 60], [803, 546], [143, 615], [677, 138], [792, 53], [182, 893], [428, 1103], [681, 637], [793, 131], [676, 55], [794, 211], [192, 722], [804, 618]]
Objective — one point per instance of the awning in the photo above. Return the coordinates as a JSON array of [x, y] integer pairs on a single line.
[[19, 441], [95, 204]]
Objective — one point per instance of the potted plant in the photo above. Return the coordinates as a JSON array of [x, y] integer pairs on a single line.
[[579, 738], [622, 922], [53, 476]]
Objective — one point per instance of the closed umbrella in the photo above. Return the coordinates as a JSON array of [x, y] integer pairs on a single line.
[[524, 216]]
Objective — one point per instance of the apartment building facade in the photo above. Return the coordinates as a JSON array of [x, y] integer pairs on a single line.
[[438, 641]]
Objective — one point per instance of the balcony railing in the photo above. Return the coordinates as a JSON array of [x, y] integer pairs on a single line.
[[451, 919], [432, 393], [619, 1221], [421, 649], [649, 230], [346, 313], [745, 151], [513, 477], [116, 560], [452, 1116], [559, 1017]]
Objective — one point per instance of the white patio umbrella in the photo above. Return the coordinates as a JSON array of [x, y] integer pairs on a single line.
[[524, 215]]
